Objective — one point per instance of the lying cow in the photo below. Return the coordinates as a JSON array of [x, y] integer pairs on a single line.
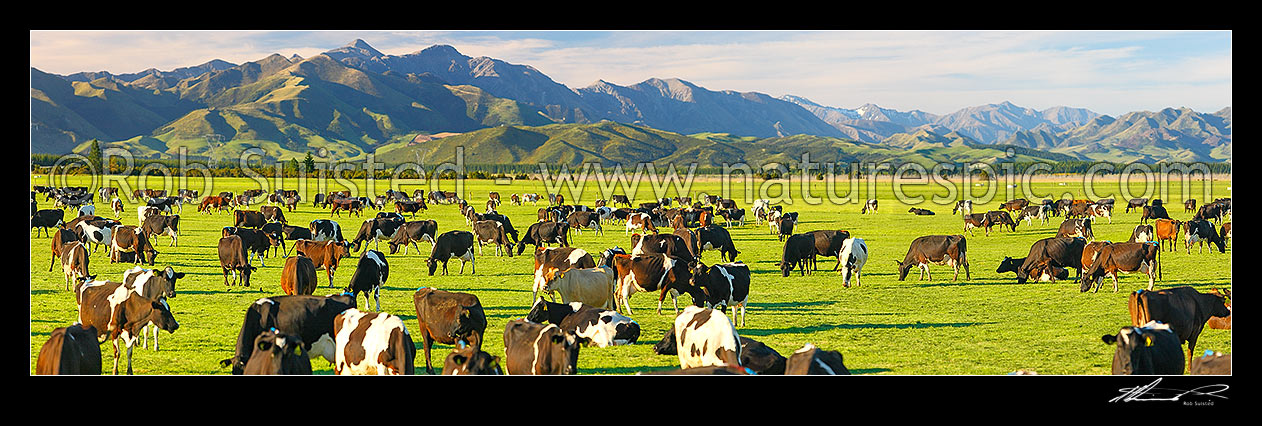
[[810, 360]]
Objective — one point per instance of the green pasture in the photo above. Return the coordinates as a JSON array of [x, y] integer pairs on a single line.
[[986, 325]]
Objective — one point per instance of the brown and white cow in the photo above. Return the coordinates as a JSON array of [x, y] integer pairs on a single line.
[[536, 349], [411, 232], [650, 273], [60, 237], [372, 343], [950, 250], [324, 254], [448, 318], [1076, 228], [71, 350], [133, 241], [74, 262], [152, 284], [810, 360], [1121, 257], [162, 225], [468, 360], [492, 232], [248, 219], [117, 312], [706, 337], [273, 214], [640, 222], [351, 205]]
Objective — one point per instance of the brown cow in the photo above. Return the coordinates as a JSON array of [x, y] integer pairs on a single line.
[[233, 257], [61, 237], [324, 254], [1222, 323], [1122, 257], [212, 201], [1092, 251], [273, 213], [448, 317], [248, 219], [1166, 230], [351, 205], [1183, 308], [299, 276], [70, 350], [950, 250]]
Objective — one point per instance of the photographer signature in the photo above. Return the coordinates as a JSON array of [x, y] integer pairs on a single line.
[[1151, 392]]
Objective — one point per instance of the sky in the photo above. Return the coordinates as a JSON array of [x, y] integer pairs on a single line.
[[940, 72]]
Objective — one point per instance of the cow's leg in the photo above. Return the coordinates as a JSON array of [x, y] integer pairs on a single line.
[[376, 295], [1115, 282], [116, 356], [429, 344]]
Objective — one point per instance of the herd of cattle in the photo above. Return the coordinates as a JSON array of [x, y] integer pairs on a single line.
[[281, 334]]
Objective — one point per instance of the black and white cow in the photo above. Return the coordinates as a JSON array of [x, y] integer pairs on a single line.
[[810, 360], [308, 317], [1200, 232], [376, 230], [411, 232], [153, 284], [715, 237], [325, 230], [535, 349], [854, 254], [705, 337], [370, 275], [452, 244], [724, 285], [1148, 350], [601, 327]]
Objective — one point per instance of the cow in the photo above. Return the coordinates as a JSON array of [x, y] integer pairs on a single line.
[[1076, 228], [784, 226], [1100, 210], [273, 214], [74, 262], [1122, 257], [132, 240], [88, 210], [468, 360], [212, 202], [1059, 252], [411, 232], [1215, 211], [1225, 232], [810, 360], [650, 272], [308, 317], [248, 219], [1136, 204], [116, 205], [49, 218], [724, 285], [376, 230], [592, 286], [1029, 213], [372, 343], [716, 238], [164, 204], [118, 312], [921, 212], [998, 217], [1145, 350], [257, 242], [370, 275], [669, 244], [448, 318], [70, 350], [1182, 308], [97, 233], [351, 205], [1212, 363], [277, 353], [1166, 230], [965, 207], [326, 230], [585, 220], [829, 243], [536, 349], [640, 222], [492, 232], [799, 251], [452, 244], [233, 257], [597, 326], [1189, 205], [950, 250], [854, 252], [162, 225], [299, 276], [1199, 232], [975, 220], [1142, 233], [1154, 212], [617, 200], [869, 207], [324, 254], [410, 207], [705, 337], [61, 237], [733, 215], [552, 261], [542, 233]]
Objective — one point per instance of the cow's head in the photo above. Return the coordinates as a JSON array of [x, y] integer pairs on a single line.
[[1134, 349], [904, 268], [469, 360], [160, 315], [1090, 276], [277, 353], [432, 264], [1009, 264]]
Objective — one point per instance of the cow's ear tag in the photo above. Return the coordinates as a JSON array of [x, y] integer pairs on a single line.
[[1148, 341]]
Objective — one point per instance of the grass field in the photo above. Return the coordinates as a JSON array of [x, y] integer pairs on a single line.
[[988, 325]]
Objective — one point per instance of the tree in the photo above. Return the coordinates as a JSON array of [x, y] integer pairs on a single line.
[[94, 157], [310, 163]]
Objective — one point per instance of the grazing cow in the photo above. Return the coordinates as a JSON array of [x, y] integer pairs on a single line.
[[964, 206], [536, 349], [411, 232], [669, 244], [452, 244], [256, 241], [869, 207], [1212, 363], [640, 222], [1029, 213], [799, 251], [308, 317], [855, 253], [542, 233], [724, 285], [277, 353], [1166, 230], [591, 286], [492, 232], [1121, 257], [1147, 350], [584, 220], [351, 205], [61, 237], [998, 217], [1199, 232], [975, 220], [597, 326], [468, 360], [1182, 308], [376, 230], [118, 312], [273, 214], [1058, 252], [233, 257], [71, 350], [448, 318], [1189, 205], [132, 240], [324, 254], [372, 343], [410, 207], [299, 276], [1136, 204], [50, 218], [162, 225], [326, 230], [829, 243], [1215, 211], [705, 337], [370, 275], [716, 238], [1142, 233], [1076, 228], [1154, 212], [248, 219], [647, 273], [552, 261], [213, 202], [811, 360], [921, 212], [74, 262], [164, 204], [950, 250]]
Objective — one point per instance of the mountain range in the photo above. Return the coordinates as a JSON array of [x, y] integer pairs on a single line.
[[354, 100]]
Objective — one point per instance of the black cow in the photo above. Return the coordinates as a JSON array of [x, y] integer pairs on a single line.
[[1148, 350], [715, 237], [921, 212], [669, 244], [1154, 212], [1183, 308], [543, 233], [811, 360], [376, 230], [799, 251], [724, 285], [829, 243], [51, 218], [308, 317], [248, 219], [1063, 252], [492, 232]]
